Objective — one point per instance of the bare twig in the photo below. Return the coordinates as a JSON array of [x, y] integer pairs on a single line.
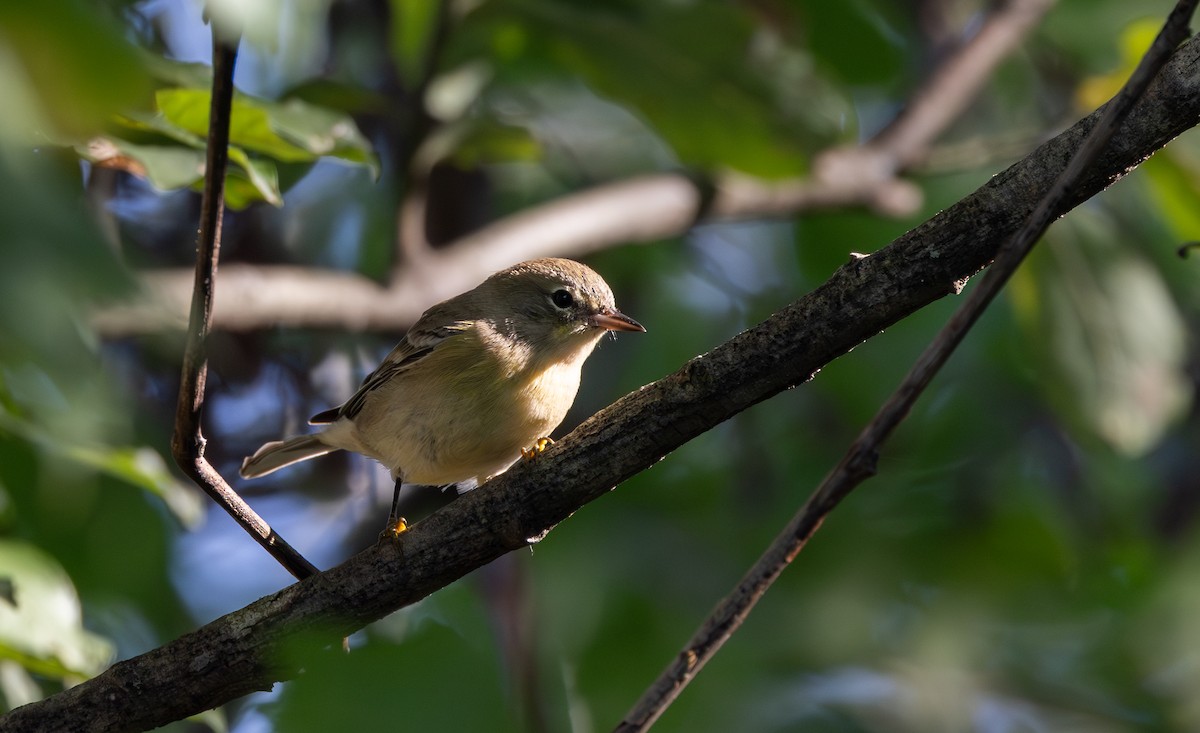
[[956, 81], [187, 442], [263, 643], [643, 209], [858, 464]]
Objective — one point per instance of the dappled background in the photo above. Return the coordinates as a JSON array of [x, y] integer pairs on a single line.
[[1026, 560]]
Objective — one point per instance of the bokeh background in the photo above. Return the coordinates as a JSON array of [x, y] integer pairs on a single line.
[[1026, 559]]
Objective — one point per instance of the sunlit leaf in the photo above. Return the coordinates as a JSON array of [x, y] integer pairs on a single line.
[[1135, 40], [1112, 341], [42, 629], [320, 131], [261, 176], [249, 124]]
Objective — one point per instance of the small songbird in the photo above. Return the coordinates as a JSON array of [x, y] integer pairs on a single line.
[[479, 379]]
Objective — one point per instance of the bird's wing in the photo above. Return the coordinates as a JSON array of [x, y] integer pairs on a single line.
[[415, 346]]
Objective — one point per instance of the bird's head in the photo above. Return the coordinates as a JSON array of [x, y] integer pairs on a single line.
[[558, 306]]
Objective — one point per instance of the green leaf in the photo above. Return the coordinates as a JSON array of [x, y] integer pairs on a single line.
[[1174, 179], [75, 60], [166, 167], [320, 131], [249, 124], [291, 131], [169, 167], [139, 467], [865, 49], [707, 98], [260, 176], [435, 661], [414, 23], [41, 625], [480, 142], [171, 73], [145, 469], [1111, 341]]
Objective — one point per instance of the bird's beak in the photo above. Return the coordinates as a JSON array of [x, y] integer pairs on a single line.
[[616, 321]]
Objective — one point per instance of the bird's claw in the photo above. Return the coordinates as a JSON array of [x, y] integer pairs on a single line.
[[394, 529], [536, 449]]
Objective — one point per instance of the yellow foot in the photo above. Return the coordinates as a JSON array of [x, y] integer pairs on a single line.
[[393, 531], [531, 453]]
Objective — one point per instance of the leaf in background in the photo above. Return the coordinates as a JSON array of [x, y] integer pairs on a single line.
[[172, 73], [1134, 42], [75, 61], [320, 131], [479, 142], [169, 167], [166, 167], [687, 70], [42, 629], [140, 144], [355, 691], [250, 126], [1110, 342], [1174, 179], [414, 23], [140, 467], [259, 177], [865, 49]]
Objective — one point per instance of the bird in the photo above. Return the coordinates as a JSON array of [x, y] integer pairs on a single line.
[[478, 381]]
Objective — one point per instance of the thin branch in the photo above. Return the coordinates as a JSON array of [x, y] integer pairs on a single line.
[[187, 442], [255, 647], [859, 462], [953, 85], [642, 209]]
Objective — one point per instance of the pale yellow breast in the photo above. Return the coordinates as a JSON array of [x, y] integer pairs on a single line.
[[465, 411]]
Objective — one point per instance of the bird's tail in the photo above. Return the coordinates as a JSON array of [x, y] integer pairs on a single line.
[[277, 454]]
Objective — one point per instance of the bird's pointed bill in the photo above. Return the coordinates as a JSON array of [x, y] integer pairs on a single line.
[[616, 321]]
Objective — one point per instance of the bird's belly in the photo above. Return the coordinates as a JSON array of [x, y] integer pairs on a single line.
[[450, 436]]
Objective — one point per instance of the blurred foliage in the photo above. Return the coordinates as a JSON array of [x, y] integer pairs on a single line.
[[1024, 561], [166, 144]]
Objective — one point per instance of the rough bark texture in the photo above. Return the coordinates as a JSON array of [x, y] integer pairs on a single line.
[[244, 651]]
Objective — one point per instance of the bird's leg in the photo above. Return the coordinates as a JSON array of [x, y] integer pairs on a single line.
[[533, 451], [396, 524]]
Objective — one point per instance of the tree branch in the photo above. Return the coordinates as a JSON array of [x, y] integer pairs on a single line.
[[859, 462], [953, 85], [245, 650], [641, 209], [187, 441]]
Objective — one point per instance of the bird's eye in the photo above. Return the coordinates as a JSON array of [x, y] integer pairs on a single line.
[[562, 298]]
